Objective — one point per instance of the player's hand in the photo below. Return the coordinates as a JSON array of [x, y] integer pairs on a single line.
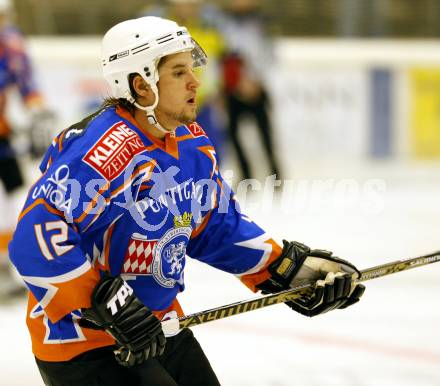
[[118, 310], [335, 279]]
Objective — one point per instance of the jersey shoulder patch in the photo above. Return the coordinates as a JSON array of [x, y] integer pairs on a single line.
[[196, 130]]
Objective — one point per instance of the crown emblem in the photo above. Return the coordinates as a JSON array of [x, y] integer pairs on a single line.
[[183, 221]]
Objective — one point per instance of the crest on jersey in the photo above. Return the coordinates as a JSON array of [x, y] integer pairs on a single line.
[[164, 259], [196, 130], [139, 255], [170, 255]]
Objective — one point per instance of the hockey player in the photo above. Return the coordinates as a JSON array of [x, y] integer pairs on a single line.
[[125, 196]]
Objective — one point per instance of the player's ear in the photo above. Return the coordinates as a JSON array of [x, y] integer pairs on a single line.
[[141, 88]]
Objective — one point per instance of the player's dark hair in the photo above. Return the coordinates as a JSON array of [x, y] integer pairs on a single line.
[[122, 102]]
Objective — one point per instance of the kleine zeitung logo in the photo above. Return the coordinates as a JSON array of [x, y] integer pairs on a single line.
[[114, 150]]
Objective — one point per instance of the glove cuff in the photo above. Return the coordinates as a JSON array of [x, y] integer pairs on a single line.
[[284, 269]]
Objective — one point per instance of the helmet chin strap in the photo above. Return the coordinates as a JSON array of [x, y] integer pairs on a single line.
[[151, 116]]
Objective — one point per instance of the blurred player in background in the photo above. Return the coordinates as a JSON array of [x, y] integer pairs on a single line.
[[126, 194], [15, 72], [246, 68]]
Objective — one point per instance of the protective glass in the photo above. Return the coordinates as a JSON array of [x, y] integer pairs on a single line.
[[198, 54]]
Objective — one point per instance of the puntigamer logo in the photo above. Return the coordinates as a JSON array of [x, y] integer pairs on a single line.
[[114, 150]]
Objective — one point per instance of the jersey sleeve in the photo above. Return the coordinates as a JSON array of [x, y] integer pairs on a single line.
[[47, 245], [227, 239]]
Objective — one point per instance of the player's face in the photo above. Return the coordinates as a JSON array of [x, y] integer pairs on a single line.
[[177, 91]]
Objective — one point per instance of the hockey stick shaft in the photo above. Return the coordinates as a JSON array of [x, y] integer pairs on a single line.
[[172, 326]]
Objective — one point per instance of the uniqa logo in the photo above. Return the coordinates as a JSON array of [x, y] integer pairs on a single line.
[[54, 189]]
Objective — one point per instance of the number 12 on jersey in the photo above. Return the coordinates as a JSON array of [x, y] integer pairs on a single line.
[[56, 239]]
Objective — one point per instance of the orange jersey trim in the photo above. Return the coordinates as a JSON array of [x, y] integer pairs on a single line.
[[152, 147], [113, 193], [184, 138], [78, 290], [175, 306], [40, 201], [93, 338], [208, 151], [168, 145], [135, 173], [196, 232], [92, 203], [171, 145], [60, 140], [60, 352], [253, 279]]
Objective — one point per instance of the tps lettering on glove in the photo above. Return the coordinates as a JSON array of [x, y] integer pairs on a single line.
[[121, 296], [116, 309]]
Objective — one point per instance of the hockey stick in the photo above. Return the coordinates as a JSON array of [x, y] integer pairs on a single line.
[[172, 326]]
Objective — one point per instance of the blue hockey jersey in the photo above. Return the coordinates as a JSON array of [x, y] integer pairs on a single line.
[[113, 198]]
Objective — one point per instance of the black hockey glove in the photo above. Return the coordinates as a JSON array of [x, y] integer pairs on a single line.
[[116, 309], [335, 279]]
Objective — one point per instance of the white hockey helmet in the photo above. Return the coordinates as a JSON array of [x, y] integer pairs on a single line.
[[136, 46]]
